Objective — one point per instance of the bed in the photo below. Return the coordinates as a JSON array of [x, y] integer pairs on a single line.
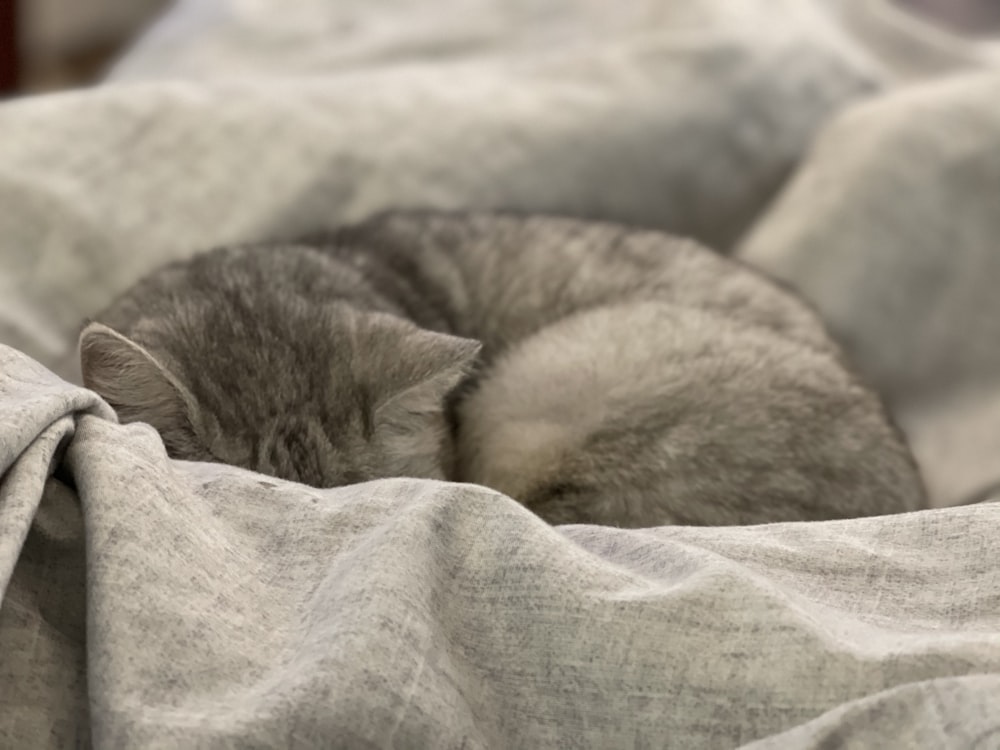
[[842, 146]]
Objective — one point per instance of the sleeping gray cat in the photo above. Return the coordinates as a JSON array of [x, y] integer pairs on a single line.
[[596, 374]]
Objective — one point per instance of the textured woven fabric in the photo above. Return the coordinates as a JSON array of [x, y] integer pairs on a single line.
[[152, 603], [162, 604]]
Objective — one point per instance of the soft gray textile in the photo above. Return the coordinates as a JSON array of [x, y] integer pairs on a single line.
[[150, 603], [225, 608], [892, 229]]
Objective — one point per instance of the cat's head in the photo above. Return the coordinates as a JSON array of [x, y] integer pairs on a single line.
[[327, 399]]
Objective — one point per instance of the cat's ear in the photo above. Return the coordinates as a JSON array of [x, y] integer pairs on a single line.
[[410, 422], [435, 364], [136, 384]]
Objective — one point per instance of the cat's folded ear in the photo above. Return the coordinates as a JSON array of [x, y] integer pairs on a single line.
[[430, 365], [409, 417], [136, 385]]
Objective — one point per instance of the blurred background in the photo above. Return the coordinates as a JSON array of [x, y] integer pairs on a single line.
[[53, 44]]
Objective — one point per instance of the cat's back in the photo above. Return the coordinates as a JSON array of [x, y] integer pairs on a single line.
[[505, 276]]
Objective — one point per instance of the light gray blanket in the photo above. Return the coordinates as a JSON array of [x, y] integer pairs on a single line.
[[152, 603]]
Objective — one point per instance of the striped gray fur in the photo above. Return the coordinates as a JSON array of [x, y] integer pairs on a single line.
[[596, 373]]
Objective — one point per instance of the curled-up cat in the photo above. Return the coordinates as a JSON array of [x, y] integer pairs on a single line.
[[597, 374]]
